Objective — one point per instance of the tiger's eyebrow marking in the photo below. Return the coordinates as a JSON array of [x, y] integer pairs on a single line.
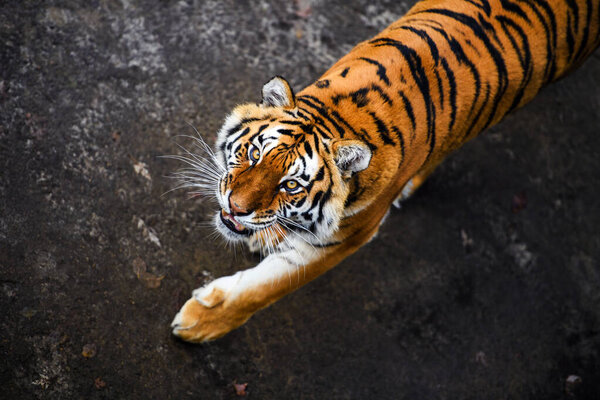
[[260, 130], [287, 132], [232, 141]]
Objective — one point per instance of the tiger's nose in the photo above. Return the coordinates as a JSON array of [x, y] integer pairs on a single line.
[[236, 210]]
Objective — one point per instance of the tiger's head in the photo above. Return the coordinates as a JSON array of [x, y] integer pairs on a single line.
[[283, 171]]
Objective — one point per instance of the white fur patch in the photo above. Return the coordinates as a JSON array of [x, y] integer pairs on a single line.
[[406, 192]]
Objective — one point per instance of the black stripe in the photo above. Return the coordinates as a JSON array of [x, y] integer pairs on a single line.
[[337, 116], [313, 98], [307, 129], [315, 200], [502, 73], [322, 84], [322, 112], [260, 129], [401, 141], [233, 130], [572, 14], [300, 202], [419, 76], [550, 32], [318, 125], [354, 196], [380, 92], [511, 7], [381, 70], [382, 129], [485, 6], [308, 150], [326, 197], [287, 132], [243, 133], [425, 36], [246, 120], [570, 38], [423, 21], [473, 47], [323, 245], [325, 146], [462, 58], [322, 132], [320, 175], [586, 31], [524, 58], [336, 99], [440, 88], [316, 140], [301, 115], [345, 72], [452, 99], [364, 135], [489, 28], [409, 111], [360, 98], [235, 151], [547, 36]]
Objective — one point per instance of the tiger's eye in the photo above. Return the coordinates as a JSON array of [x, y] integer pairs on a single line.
[[254, 154], [291, 185]]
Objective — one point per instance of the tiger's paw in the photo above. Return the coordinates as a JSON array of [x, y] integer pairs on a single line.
[[207, 315]]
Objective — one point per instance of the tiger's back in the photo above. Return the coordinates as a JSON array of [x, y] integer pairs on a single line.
[[443, 73]]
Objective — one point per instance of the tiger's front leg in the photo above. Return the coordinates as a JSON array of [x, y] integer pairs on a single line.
[[226, 303]]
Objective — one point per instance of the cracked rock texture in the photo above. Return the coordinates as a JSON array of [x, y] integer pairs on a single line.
[[485, 285]]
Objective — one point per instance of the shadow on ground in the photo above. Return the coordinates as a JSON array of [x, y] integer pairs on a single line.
[[485, 285]]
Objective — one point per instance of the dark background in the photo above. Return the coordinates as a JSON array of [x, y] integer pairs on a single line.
[[486, 285]]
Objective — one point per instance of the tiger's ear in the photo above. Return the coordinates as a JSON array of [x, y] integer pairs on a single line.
[[351, 156], [278, 93]]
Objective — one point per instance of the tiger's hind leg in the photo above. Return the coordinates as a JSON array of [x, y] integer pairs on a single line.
[[413, 184]]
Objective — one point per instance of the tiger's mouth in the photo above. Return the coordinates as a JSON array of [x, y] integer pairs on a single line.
[[230, 222]]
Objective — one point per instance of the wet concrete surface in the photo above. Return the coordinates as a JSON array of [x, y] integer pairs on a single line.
[[485, 285]]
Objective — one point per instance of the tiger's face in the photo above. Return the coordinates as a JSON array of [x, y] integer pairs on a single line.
[[280, 174]]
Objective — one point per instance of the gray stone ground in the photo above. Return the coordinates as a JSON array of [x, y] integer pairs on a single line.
[[465, 294]]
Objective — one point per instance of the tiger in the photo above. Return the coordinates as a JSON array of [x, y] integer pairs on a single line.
[[308, 178]]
